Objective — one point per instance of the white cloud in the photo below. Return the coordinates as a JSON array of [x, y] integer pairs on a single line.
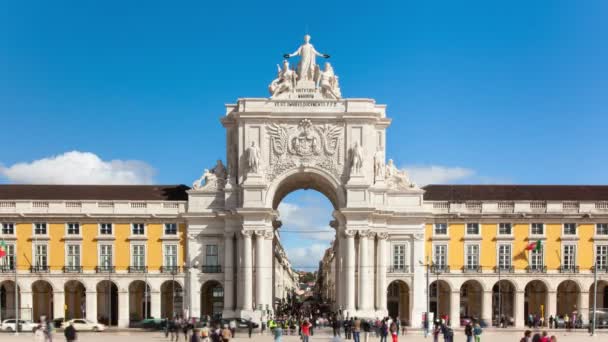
[[308, 221], [77, 167], [307, 258], [437, 174]]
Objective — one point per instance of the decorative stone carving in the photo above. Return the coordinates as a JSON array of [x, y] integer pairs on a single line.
[[253, 158], [382, 235], [285, 81], [418, 237], [379, 167], [327, 82], [213, 179], [397, 179], [350, 233], [364, 233], [304, 145], [308, 55], [356, 159], [246, 233]]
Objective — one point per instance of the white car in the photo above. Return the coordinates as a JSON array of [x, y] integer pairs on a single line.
[[81, 324], [9, 325]]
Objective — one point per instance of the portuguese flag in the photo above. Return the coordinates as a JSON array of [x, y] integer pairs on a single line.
[[534, 246], [2, 248]]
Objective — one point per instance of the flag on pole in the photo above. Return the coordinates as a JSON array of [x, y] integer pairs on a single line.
[[2, 248], [534, 246]]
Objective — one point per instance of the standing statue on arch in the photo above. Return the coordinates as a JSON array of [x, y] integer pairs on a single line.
[[308, 56]]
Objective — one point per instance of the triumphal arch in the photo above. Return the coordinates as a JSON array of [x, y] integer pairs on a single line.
[[305, 135]]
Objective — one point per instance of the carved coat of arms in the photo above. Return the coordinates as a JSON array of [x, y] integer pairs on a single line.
[[304, 145]]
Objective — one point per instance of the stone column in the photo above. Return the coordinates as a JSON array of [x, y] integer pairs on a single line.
[[239, 271], [381, 266], [364, 299], [259, 269], [350, 271], [91, 306], [455, 309], [123, 309], [268, 269], [228, 272], [194, 292], [583, 305], [486, 307], [520, 320], [370, 288], [155, 304], [58, 304], [419, 290], [551, 305], [247, 271]]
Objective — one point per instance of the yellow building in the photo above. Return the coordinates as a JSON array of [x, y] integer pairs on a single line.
[[88, 251], [481, 247]]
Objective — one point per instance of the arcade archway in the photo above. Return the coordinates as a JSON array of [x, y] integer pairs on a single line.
[[602, 295], [7, 299], [42, 300], [212, 299], [398, 300], [171, 299], [568, 298], [471, 299], [440, 298], [503, 303], [107, 302], [75, 299], [139, 300], [536, 299]]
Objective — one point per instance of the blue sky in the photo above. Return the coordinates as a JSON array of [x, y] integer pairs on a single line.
[[479, 91]]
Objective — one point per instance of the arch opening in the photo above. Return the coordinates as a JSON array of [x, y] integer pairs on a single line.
[[602, 296], [75, 299], [42, 297], [212, 299], [536, 299], [568, 298], [7, 299], [305, 181], [398, 301], [139, 300], [471, 298], [503, 304], [440, 299], [171, 299], [107, 302]]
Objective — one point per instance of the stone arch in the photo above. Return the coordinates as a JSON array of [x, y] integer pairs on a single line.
[[440, 298], [568, 297], [42, 299], [212, 298], [75, 294], [398, 300], [7, 298], [503, 302], [536, 298], [602, 294], [306, 178], [107, 302], [171, 299], [139, 300], [471, 299]]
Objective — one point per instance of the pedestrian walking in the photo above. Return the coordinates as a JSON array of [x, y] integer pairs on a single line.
[[436, 331], [232, 326], [356, 329], [249, 328], [70, 333], [394, 332], [527, 336], [468, 331], [277, 333], [366, 329], [226, 334], [205, 333], [477, 332], [383, 331], [195, 336], [305, 329], [335, 325]]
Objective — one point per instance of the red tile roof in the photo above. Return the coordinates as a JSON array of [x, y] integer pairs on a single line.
[[459, 193], [94, 192]]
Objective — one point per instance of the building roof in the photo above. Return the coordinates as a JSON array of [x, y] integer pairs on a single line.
[[94, 192], [459, 193]]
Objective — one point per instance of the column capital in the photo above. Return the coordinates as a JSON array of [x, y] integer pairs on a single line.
[[246, 233], [365, 233], [350, 233], [382, 235]]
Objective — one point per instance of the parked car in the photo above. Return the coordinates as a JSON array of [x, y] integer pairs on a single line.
[[81, 324], [240, 322], [9, 325], [149, 323]]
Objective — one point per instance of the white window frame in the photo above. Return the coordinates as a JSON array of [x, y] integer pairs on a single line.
[[13, 234], [67, 256], [595, 232], [466, 229], [35, 255], [67, 229], [132, 226], [536, 236], [542, 253], [99, 245], [447, 253], [106, 235], [46, 230], [466, 246], [131, 256], [595, 246], [4, 259], [498, 254], [176, 235], [217, 245], [165, 245], [447, 229], [575, 261], [405, 255], [569, 235], [499, 235]]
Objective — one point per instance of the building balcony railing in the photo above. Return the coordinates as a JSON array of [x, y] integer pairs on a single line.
[[39, 269], [471, 269], [600, 269], [169, 269], [211, 268], [536, 269], [7, 268], [440, 269], [399, 269], [569, 269], [72, 269], [105, 269], [138, 269], [504, 269]]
